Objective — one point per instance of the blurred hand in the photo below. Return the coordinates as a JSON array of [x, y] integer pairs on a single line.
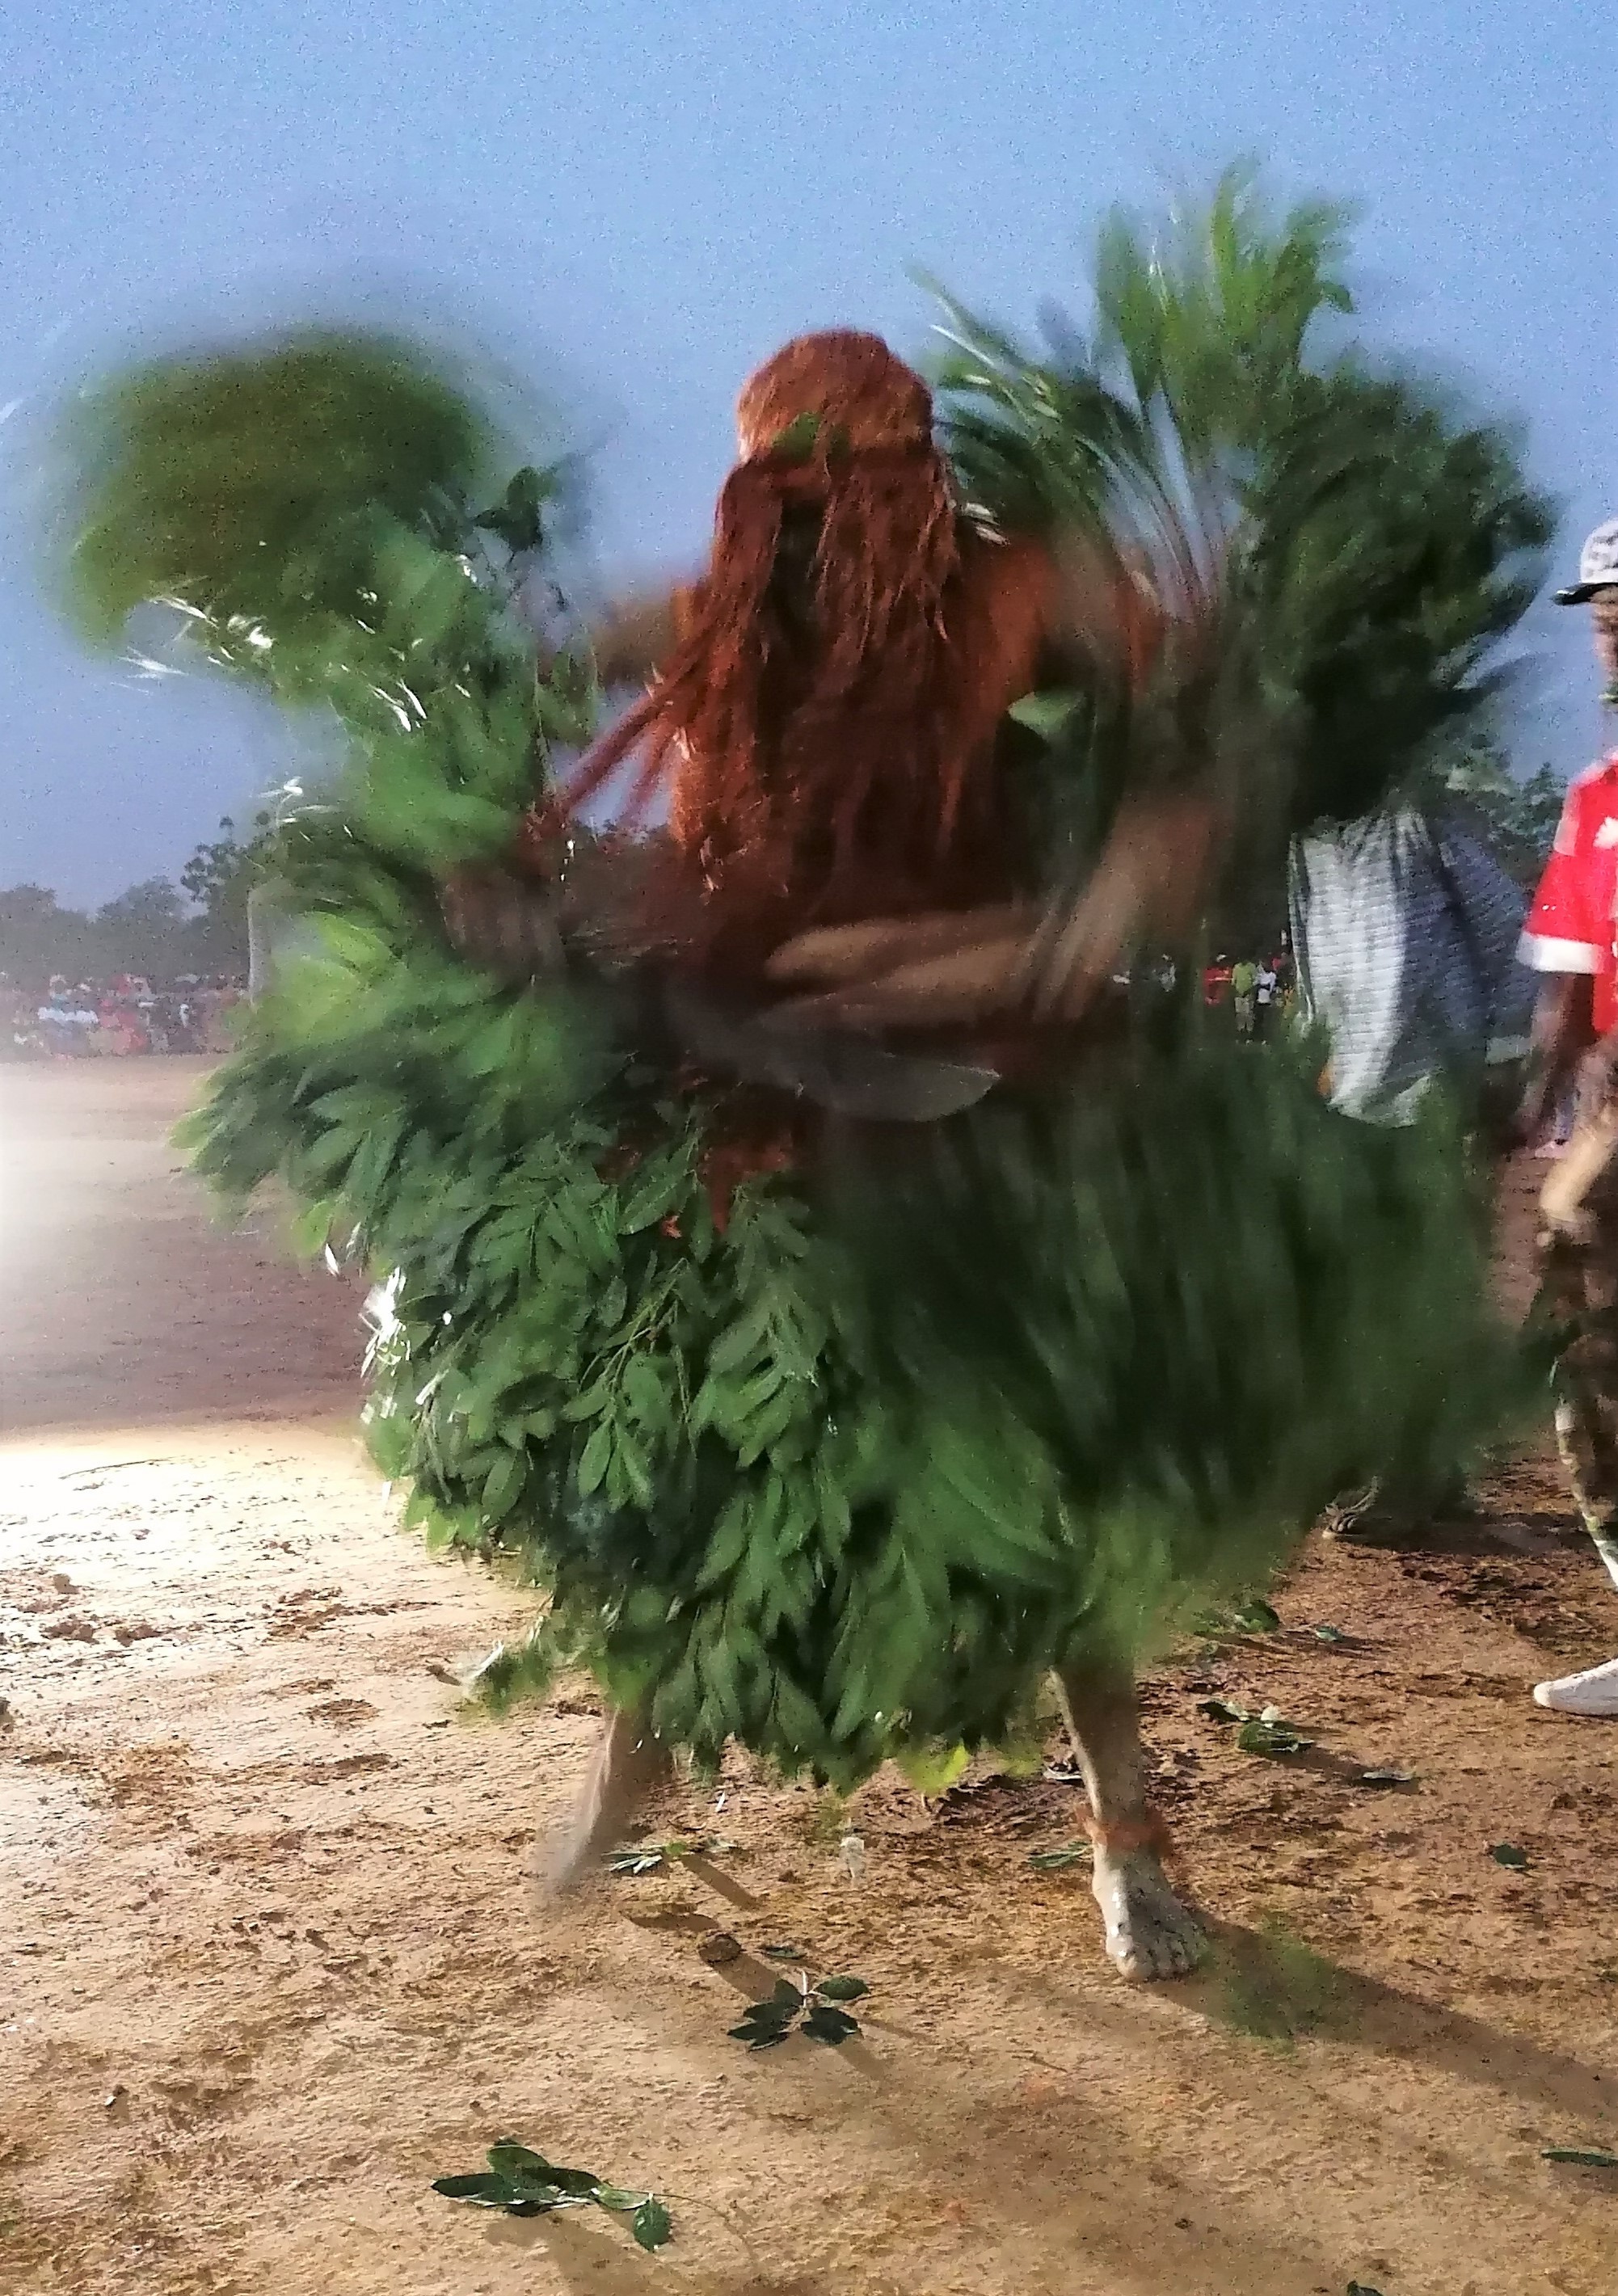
[[1149, 884], [952, 966], [503, 922], [934, 971]]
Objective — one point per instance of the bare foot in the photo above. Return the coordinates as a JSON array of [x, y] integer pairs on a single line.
[[1149, 1933], [630, 1765]]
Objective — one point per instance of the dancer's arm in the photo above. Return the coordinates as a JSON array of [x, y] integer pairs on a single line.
[[503, 918], [971, 966], [1100, 625], [1103, 624]]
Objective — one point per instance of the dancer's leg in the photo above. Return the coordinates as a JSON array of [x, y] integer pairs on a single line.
[[1149, 1933], [629, 1766]]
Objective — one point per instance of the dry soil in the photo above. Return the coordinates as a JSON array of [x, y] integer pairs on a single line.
[[271, 1958]]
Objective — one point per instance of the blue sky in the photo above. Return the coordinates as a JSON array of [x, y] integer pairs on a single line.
[[637, 202]]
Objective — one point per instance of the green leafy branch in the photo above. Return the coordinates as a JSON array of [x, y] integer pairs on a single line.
[[813, 2010], [522, 2183], [658, 1856], [1268, 1731]]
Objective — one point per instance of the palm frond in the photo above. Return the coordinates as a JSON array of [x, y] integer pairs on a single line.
[[1339, 549]]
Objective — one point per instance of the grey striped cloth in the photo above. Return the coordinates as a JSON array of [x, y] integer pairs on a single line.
[[1405, 932]]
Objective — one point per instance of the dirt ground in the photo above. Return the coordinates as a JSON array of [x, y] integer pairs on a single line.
[[272, 1958]]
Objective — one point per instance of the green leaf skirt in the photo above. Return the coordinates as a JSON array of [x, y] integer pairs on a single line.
[[842, 1472]]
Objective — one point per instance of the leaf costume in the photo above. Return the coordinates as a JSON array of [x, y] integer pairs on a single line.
[[822, 1431]]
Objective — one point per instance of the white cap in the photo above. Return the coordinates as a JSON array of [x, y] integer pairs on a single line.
[[1598, 566]]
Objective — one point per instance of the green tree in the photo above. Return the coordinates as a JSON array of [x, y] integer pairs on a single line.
[[38, 937], [219, 877], [1516, 819], [141, 930]]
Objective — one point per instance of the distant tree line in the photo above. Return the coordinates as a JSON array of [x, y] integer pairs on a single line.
[[158, 928], [1515, 819], [199, 926]]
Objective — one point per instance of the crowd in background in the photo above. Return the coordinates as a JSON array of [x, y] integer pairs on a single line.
[[1259, 991], [127, 1014]]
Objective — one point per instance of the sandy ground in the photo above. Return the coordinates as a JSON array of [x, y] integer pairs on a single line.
[[272, 1959]]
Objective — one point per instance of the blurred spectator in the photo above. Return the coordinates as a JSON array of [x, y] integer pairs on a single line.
[[1243, 990], [1266, 993]]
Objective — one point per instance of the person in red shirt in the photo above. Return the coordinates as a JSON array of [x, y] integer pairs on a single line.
[[1572, 937]]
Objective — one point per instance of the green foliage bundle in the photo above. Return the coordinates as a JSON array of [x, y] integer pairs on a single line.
[[225, 484], [778, 1483], [308, 509], [1354, 549]]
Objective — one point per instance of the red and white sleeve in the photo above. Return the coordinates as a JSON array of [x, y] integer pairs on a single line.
[[1563, 932]]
